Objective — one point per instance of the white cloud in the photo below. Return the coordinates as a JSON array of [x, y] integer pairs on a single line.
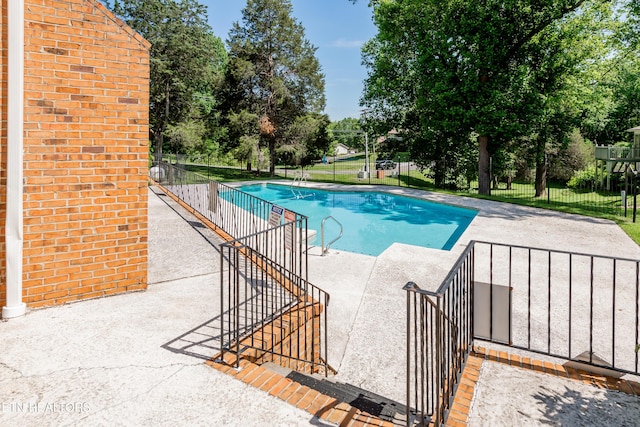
[[349, 44]]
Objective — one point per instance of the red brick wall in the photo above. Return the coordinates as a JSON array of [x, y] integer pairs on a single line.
[[85, 153]]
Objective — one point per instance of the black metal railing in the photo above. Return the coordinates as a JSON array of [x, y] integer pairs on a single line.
[[439, 339], [268, 307], [579, 307], [574, 306], [235, 212], [265, 293]]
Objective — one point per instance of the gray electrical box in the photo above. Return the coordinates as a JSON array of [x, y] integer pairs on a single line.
[[492, 312]]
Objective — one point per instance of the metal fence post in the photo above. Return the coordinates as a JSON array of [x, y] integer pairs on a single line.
[[635, 193], [546, 176]]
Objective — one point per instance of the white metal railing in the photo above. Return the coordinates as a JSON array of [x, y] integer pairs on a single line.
[[299, 180]]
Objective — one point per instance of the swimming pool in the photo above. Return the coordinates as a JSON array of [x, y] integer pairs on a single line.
[[371, 221]]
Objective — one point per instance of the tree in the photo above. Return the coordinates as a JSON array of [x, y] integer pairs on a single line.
[[615, 100], [184, 56], [186, 136], [570, 56], [243, 127], [577, 155], [450, 69], [305, 140], [347, 132], [207, 100], [272, 71]]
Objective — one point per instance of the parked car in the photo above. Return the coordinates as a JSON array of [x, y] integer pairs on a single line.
[[385, 164]]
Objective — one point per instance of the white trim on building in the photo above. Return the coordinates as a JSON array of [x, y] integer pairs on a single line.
[[14, 235]]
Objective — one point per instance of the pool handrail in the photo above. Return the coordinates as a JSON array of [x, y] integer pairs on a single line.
[[325, 250]]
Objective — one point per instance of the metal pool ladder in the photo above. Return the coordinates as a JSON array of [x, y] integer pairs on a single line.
[[299, 179], [325, 250]]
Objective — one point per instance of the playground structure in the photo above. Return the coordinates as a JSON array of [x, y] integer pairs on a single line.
[[621, 160]]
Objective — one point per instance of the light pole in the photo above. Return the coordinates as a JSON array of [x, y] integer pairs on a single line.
[[366, 143], [366, 153]]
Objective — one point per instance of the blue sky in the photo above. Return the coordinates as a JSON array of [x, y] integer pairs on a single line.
[[336, 27]]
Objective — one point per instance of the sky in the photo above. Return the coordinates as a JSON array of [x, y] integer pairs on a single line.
[[338, 28]]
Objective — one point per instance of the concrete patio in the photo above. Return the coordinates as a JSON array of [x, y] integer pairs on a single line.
[[138, 359]]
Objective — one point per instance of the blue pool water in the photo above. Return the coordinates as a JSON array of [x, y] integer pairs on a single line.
[[371, 221]]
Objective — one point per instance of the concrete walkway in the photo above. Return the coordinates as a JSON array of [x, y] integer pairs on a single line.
[[131, 360], [509, 396], [137, 359], [376, 337]]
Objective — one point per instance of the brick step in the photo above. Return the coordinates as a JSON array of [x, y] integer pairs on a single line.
[[366, 401], [283, 383]]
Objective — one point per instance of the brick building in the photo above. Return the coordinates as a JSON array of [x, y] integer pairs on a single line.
[[73, 154]]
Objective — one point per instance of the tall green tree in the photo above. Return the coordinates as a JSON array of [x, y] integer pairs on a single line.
[[243, 128], [448, 69], [186, 137], [184, 57], [348, 132], [272, 71], [614, 87], [305, 140], [560, 62], [208, 98]]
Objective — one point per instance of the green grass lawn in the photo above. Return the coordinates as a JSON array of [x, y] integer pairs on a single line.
[[593, 204], [632, 229], [225, 174]]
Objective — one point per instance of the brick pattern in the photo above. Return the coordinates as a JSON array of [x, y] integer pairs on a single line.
[[299, 325], [85, 153], [289, 341], [461, 406], [317, 404]]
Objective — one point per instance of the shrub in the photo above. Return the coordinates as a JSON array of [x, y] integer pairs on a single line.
[[574, 157], [586, 178]]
